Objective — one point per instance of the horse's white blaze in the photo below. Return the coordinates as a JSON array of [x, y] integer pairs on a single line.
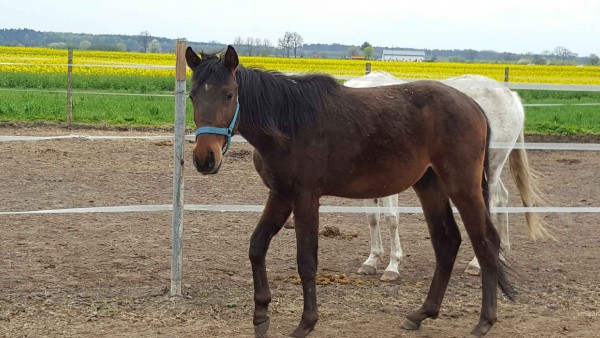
[[506, 116], [207, 87]]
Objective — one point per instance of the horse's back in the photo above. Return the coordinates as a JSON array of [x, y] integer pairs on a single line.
[[373, 79], [501, 105]]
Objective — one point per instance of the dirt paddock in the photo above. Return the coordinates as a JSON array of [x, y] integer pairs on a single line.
[[107, 275]]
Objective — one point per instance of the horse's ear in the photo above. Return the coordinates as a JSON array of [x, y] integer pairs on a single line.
[[231, 60], [192, 59]]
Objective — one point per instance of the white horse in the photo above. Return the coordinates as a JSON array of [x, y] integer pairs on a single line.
[[506, 116]]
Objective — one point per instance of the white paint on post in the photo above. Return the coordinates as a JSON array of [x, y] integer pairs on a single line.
[[178, 153]]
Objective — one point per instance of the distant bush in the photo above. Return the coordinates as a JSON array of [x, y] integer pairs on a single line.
[[57, 45]]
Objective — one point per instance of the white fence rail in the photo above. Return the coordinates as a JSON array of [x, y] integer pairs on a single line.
[[239, 139], [259, 208]]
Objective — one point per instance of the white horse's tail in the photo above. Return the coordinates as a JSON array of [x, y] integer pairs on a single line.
[[526, 181]]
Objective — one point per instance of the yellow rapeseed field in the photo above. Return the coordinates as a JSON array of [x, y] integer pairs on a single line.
[[45, 60]]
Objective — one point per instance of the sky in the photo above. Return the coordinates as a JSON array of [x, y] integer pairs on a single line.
[[517, 26]]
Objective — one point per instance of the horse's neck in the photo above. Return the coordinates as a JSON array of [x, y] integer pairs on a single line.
[[250, 87], [254, 99], [260, 141]]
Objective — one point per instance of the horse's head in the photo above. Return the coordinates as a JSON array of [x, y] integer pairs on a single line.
[[214, 95]]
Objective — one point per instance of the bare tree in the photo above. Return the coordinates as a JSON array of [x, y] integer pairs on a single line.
[[286, 42], [249, 45], [144, 40], [266, 44], [563, 53], [296, 43], [238, 42]]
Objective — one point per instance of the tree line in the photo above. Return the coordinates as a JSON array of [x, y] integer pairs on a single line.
[[250, 46], [291, 44]]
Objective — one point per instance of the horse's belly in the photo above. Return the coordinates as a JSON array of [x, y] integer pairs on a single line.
[[380, 184]]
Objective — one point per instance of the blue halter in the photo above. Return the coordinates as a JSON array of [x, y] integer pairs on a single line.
[[221, 131]]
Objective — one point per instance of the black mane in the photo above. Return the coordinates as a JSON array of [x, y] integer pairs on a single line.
[[280, 105]]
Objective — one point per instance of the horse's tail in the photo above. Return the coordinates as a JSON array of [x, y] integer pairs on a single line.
[[485, 187], [504, 270], [526, 181]]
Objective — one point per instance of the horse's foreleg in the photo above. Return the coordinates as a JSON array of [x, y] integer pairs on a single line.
[[369, 267], [445, 238], [274, 215], [392, 273], [306, 218]]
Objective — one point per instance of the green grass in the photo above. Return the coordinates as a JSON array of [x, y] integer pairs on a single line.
[[557, 96], [563, 120], [117, 110], [130, 83], [19, 105]]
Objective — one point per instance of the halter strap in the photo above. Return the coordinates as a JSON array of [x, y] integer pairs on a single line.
[[228, 132]]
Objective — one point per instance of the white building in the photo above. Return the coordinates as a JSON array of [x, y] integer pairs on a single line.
[[403, 55]]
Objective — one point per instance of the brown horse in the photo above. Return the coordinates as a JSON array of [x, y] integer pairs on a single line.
[[315, 137]]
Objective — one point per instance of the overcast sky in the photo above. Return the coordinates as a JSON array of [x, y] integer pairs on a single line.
[[503, 25]]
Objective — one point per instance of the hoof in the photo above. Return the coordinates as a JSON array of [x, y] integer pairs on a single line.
[[389, 276], [300, 332], [481, 329], [261, 329], [472, 271], [410, 325], [366, 270]]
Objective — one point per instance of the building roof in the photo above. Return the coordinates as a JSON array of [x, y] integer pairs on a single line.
[[396, 52]]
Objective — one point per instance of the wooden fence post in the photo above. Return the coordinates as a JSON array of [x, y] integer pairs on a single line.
[[368, 69], [70, 88], [505, 74], [178, 153]]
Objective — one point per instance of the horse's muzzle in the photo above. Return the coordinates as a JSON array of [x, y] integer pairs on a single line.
[[208, 165]]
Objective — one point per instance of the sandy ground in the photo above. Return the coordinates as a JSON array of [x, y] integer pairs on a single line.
[[107, 275]]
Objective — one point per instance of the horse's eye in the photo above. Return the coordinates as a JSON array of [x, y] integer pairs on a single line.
[[228, 97]]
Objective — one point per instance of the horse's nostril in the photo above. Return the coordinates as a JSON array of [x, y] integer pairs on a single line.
[[211, 159]]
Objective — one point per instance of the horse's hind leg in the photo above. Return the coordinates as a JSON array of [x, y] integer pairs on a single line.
[[274, 215], [369, 266], [501, 220], [486, 244], [391, 273], [499, 199], [445, 238]]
